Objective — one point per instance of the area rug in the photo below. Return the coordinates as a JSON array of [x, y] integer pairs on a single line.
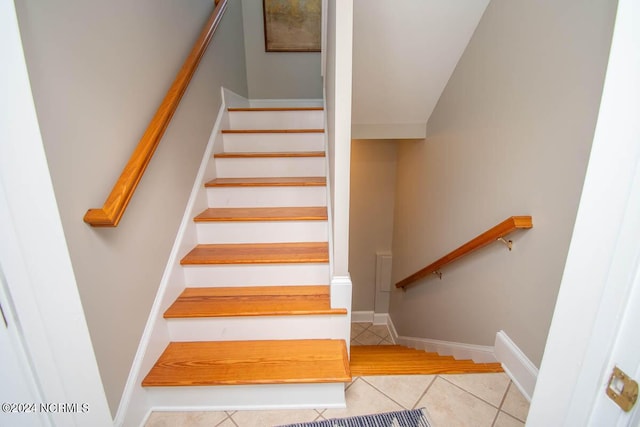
[[412, 418]]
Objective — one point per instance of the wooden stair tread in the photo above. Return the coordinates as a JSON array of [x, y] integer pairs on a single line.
[[309, 181], [258, 154], [399, 351], [399, 360], [258, 253], [305, 213], [255, 109], [250, 362], [273, 131], [253, 301]]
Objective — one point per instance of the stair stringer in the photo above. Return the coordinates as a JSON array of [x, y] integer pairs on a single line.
[[137, 403], [341, 286]]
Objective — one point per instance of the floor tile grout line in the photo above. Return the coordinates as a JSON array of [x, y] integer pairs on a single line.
[[232, 420], [386, 395], [435, 377], [505, 398], [511, 416], [472, 394], [353, 381]]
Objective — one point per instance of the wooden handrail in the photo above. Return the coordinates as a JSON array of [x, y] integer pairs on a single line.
[[111, 212], [489, 236]]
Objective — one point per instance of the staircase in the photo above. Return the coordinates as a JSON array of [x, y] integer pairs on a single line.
[[248, 321], [400, 360], [254, 325]]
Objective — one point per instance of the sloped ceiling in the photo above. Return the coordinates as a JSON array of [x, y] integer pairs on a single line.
[[404, 52]]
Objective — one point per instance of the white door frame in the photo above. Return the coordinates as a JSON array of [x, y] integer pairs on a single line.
[[600, 280], [34, 256]]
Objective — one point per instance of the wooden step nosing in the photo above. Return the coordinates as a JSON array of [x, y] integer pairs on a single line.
[[258, 253], [293, 214], [301, 130], [239, 155], [274, 109], [274, 313], [268, 182]]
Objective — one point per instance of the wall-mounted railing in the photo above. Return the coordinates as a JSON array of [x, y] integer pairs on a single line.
[[115, 205], [496, 233]]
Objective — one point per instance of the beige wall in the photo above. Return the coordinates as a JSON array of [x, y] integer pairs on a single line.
[[99, 71], [510, 135], [277, 75], [373, 183]]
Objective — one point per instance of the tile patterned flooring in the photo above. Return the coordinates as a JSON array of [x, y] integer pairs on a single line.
[[472, 400]]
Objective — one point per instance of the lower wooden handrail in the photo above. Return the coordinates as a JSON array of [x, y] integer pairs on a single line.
[[495, 233], [111, 212]]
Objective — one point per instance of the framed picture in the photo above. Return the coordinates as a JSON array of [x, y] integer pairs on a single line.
[[292, 25]]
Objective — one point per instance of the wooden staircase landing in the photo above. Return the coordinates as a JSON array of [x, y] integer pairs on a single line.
[[400, 360], [206, 363]]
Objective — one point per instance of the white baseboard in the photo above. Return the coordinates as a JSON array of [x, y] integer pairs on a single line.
[[515, 363], [266, 103], [477, 353], [370, 317], [362, 316], [381, 318]]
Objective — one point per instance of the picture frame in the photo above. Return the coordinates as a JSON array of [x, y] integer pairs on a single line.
[[292, 25]]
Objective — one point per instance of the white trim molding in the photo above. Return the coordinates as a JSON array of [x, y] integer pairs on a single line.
[[370, 317], [477, 353], [362, 316], [267, 103], [516, 364]]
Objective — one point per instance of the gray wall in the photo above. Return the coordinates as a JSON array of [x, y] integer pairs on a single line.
[[99, 70], [510, 135], [277, 75], [373, 183]]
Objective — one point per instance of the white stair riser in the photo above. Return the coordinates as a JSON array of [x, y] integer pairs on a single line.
[[276, 119], [272, 142], [270, 167], [258, 328], [262, 232], [256, 275], [247, 397], [242, 197]]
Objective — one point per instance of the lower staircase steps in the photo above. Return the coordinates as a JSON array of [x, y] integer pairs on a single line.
[[400, 360], [302, 213], [296, 181], [253, 301], [258, 253], [204, 363]]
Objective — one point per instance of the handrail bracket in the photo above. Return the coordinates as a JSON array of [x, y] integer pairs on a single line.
[[507, 243], [437, 273]]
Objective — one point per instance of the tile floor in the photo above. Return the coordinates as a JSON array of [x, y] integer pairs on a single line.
[[473, 400]]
